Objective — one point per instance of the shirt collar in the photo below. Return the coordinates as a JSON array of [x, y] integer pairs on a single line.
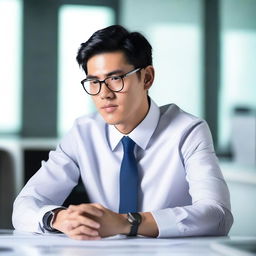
[[142, 133]]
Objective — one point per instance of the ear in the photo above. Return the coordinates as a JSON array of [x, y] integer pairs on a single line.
[[149, 77]]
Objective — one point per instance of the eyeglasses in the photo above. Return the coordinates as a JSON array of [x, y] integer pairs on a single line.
[[114, 83]]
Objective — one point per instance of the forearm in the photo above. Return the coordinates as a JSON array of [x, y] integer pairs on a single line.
[[91, 221], [28, 213], [147, 227], [24, 216], [203, 219], [199, 219]]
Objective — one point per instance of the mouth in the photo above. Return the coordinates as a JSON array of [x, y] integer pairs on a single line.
[[109, 108]]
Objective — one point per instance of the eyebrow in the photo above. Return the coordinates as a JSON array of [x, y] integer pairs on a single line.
[[114, 72]]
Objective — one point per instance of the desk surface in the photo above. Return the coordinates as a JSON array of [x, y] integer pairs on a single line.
[[21, 244]]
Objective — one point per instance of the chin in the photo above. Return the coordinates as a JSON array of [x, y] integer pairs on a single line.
[[110, 121]]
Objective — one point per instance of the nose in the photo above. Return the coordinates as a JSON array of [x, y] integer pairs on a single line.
[[105, 92]]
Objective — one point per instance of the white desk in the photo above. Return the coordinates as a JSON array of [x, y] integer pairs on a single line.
[[21, 244]]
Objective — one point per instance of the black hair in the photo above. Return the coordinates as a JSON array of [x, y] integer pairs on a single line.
[[137, 49]]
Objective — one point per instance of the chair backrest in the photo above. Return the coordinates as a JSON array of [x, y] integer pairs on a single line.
[[7, 189]]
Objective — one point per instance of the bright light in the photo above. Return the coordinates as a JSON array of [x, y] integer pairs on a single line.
[[10, 65], [177, 52], [238, 81], [76, 25]]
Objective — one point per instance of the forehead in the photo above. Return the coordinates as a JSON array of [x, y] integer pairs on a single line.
[[106, 62]]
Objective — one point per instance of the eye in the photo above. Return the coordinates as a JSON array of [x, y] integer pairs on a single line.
[[115, 78], [93, 82]]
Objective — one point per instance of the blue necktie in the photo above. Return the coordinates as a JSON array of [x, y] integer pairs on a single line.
[[128, 178]]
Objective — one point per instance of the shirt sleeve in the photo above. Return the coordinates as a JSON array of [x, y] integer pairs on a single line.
[[47, 189], [210, 211]]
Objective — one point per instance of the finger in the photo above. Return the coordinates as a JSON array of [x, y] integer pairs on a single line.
[[86, 221], [99, 206], [76, 221], [86, 208], [83, 231]]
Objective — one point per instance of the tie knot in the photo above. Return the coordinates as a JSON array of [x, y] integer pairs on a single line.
[[128, 144]]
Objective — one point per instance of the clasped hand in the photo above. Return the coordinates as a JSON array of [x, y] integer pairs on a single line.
[[90, 222]]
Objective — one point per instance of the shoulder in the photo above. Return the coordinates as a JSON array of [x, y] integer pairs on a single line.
[[189, 131], [86, 127], [182, 126], [90, 127], [177, 118], [93, 119]]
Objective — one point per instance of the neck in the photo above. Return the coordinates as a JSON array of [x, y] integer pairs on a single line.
[[128, 127]]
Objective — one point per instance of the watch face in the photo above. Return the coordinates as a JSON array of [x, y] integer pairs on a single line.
[[47, 220], [134, 218]]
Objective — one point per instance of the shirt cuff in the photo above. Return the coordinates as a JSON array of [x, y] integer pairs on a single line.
[[166, 223], [41, 214]]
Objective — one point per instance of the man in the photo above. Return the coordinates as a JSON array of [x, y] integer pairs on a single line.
[[149, 171]]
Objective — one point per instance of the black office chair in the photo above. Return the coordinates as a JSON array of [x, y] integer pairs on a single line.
[[7, 189], [32, 162]]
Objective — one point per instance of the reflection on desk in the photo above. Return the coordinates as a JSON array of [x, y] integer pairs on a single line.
[[20, 244]]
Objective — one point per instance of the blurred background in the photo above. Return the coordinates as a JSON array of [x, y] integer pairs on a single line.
[[204, 53]]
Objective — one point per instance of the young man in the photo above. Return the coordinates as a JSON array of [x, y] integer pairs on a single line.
[[147, 170]]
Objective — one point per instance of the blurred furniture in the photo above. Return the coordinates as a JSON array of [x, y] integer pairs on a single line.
[[243, 137], [13, 171], [241, 180], [7, 189], [19, 160]]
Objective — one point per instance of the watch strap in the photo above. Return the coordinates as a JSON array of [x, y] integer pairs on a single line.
[[134, 219], [48, 219], [134, 230]]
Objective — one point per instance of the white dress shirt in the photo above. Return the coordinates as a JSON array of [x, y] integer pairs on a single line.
[[180, 180]]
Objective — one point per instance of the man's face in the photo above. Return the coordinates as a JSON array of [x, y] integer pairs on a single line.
[[124, 109]]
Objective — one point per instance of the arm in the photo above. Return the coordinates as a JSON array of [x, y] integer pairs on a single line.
[[209, 213], [93, 221], [45, 191]]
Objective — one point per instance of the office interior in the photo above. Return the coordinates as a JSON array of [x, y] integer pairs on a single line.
[[204, 53]]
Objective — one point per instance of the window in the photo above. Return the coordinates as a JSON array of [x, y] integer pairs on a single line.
[[10, 66], [178, 64], [76, 25], [174, 29], [238, 63]]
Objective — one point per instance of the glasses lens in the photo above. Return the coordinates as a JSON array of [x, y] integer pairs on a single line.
[[92, 86], [115, 83]]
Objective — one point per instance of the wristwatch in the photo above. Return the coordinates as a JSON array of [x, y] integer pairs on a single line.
[[134, 219], [49, 218]]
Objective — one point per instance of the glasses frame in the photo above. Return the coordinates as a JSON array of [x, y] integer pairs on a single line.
[[104, 81]]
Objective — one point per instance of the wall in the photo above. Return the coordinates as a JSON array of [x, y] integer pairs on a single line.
[[174, 28]]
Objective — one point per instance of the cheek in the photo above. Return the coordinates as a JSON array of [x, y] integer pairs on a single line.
[[95, 101], [136, 95]]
